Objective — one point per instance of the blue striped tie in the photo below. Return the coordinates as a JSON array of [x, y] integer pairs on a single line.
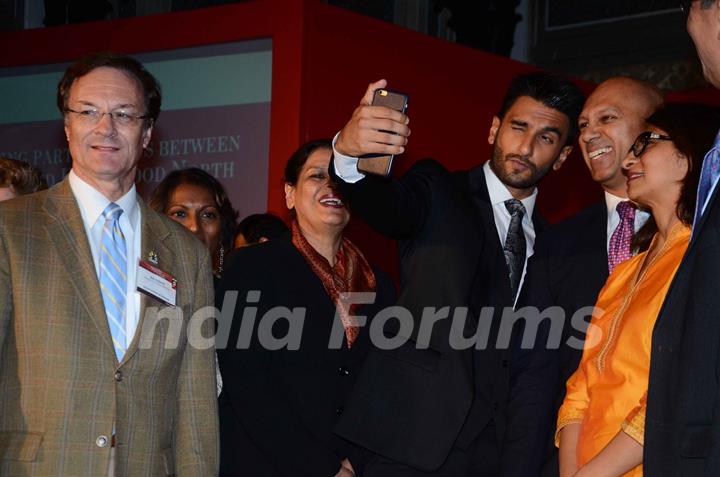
[[113, 276]]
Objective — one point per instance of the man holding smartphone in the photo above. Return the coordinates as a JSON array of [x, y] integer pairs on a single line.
[[429, 407]]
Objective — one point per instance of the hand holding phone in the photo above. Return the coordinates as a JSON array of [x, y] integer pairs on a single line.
[[381, 164]]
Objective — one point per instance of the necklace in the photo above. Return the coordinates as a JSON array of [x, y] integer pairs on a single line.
[[221, 260]]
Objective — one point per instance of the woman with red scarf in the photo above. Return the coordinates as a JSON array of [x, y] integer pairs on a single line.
[[295, 345]]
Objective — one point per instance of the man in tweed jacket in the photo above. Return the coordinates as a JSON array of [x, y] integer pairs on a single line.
[[69, 404]]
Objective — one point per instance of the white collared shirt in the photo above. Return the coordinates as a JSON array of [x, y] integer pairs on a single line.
[[92, 203], [613, 217], [499, 193]]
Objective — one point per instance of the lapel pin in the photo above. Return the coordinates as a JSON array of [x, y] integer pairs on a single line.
[[152, 257]]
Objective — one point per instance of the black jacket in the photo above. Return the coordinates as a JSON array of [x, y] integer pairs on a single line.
[[416, 402], [278, 408], [568, 269], [682, 424]]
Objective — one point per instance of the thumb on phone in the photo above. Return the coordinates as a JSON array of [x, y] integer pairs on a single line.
[[367, 99]]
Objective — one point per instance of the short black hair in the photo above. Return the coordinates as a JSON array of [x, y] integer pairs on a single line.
[[152, 95], [298, 159], [160, 199], [256, 226], [551, 90]]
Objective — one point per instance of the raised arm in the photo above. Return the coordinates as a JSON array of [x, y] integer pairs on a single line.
[[395, 207]]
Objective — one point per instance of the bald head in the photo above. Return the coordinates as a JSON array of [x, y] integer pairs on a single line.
[[613, 116], [647, 97]]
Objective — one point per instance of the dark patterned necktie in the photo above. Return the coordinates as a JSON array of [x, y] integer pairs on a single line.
[[619, 248], [514, 247]]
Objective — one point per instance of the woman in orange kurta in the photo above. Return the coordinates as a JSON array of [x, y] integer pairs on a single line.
[[602, 419]]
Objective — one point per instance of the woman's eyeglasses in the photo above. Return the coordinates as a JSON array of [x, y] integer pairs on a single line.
[[645, 138]]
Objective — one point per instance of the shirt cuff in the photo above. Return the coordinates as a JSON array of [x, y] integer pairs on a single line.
[[346, 166]]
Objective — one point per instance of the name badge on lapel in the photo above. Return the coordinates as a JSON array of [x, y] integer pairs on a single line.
[[156, 283]]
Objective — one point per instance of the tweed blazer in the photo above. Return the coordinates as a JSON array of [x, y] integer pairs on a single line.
[[62, 390]]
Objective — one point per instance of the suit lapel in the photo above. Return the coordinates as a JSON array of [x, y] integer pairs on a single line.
[[539, 223], [602, 226], [154, 234], [481, 197], [67, 234], [596, 234], [704, 216]]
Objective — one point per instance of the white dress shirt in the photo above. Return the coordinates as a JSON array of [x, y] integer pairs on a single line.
[[613, 217], [92, 203]]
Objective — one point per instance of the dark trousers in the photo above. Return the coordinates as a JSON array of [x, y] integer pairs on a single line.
[[480, 459]]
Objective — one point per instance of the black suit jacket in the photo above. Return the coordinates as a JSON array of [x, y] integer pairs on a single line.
[[568, 269], [415, 402], [278, 408], [682, 426]]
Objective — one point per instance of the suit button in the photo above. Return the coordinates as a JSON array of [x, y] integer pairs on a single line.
[[118, 376], [504, 363], [101, 441], [343, 371], [339, 410], [495, 406]]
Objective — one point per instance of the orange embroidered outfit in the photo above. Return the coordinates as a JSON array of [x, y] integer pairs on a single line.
[[607, 392]]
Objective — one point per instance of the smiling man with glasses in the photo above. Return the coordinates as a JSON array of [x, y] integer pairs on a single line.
[[82, 391], [682, 427], [109, 117]]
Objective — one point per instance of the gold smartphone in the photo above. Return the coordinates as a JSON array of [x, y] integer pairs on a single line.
[[381, 164]]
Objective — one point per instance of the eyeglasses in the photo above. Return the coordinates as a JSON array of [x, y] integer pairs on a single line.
[[93, 116], [642, 141]]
